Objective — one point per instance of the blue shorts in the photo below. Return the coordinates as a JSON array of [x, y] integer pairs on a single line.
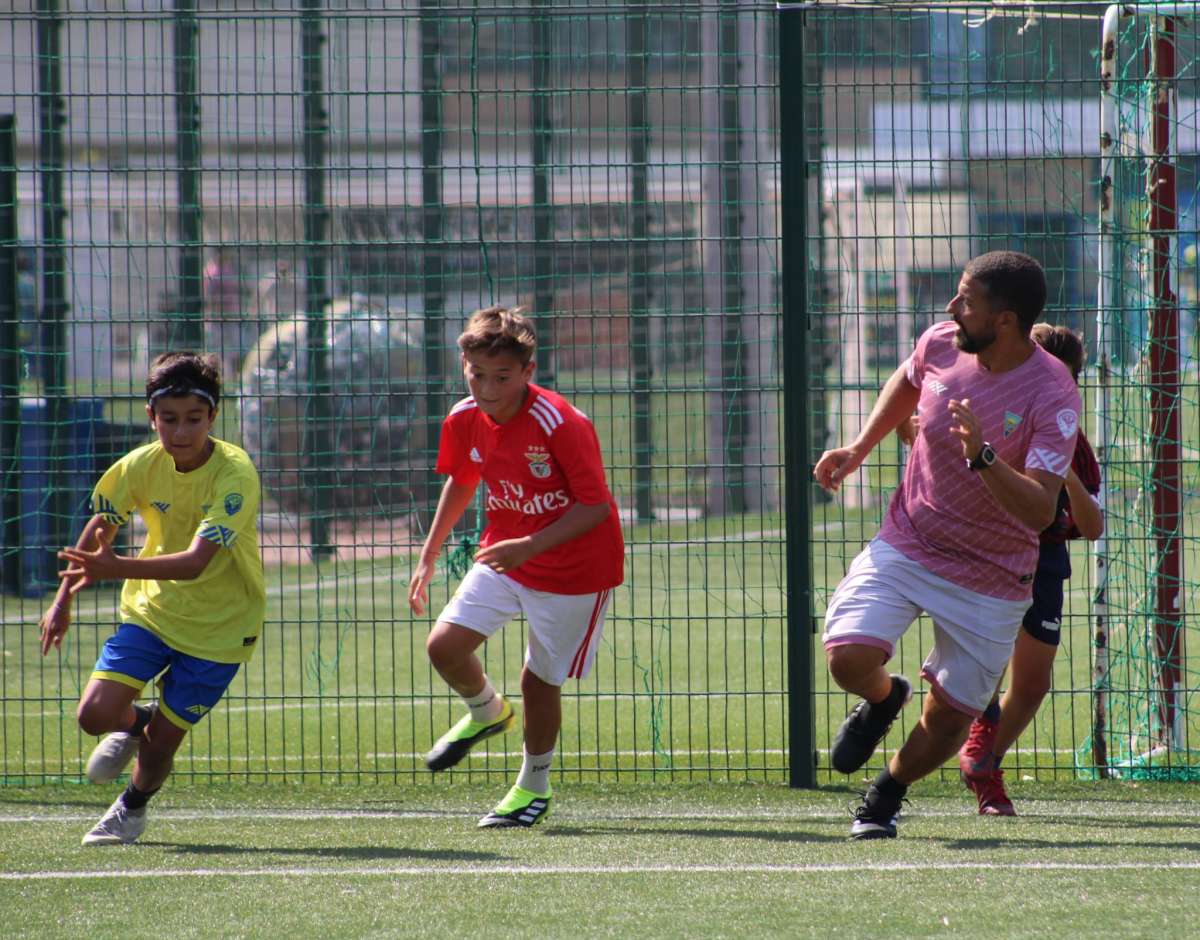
[[189, 686], [1043, 620]]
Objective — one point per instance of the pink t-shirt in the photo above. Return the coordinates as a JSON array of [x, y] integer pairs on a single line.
[[942, 515]]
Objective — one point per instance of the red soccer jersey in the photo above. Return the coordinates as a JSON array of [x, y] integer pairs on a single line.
[[1086, 467], [536, 466]]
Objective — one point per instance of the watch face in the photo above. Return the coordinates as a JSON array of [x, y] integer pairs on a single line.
[[985, 458]]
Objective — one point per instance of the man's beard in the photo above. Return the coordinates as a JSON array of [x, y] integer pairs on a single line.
[[972, 344]]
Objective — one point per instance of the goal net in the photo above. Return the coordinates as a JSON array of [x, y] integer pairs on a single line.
[[1145, 723]]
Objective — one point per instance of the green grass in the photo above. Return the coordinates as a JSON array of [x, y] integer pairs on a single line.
[[689, 684], [654, 861]]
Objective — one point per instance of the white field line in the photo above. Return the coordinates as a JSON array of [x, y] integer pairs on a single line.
[[474, 871], [1054, 810]]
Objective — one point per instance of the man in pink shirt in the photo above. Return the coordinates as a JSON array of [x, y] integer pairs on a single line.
[[998, 421]]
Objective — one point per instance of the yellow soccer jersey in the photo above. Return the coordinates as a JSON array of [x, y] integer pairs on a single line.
[[218, 615]]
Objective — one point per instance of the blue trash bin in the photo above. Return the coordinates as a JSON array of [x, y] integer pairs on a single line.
[[74, 470]]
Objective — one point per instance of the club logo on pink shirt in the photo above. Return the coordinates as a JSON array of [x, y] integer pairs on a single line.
[[1068, 422]]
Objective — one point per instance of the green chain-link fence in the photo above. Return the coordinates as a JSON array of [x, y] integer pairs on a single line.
[[321, 193], [921, 134]]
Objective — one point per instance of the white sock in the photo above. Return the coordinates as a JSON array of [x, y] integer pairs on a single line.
[[535, 772], [487, 705]]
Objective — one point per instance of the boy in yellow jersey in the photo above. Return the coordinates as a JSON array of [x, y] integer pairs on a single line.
[[194, 598]]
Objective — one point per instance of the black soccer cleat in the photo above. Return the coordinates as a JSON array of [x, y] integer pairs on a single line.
[[865, 727], [520, 808], [876, 817], [456, 743]]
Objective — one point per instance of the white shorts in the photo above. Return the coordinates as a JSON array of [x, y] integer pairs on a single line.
[[884, 592], [564, 629]]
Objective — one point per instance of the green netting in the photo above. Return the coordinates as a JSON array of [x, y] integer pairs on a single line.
[[1146, 724]]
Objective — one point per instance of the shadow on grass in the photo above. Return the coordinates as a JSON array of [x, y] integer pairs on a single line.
[[340, 852], [1061, 845], [1112, 822], [762, 835]]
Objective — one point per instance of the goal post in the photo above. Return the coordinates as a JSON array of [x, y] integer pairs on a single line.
[[1139, 699]]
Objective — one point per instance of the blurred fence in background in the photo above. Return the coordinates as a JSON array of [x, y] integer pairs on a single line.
[[321, 192]]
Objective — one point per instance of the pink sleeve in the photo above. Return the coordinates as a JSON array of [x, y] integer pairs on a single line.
[[915, 364], [1055, 427], [576, 449]]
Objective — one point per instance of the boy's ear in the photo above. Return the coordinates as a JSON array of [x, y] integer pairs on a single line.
[[149, 412]]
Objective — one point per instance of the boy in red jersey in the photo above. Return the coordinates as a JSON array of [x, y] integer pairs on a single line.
[[552, 551]]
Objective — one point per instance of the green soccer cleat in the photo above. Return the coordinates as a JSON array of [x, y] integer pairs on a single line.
[[519, 808], [453, 746]]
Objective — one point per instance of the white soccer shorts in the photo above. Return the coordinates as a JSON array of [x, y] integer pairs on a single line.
[[884, 592], [564, 629]]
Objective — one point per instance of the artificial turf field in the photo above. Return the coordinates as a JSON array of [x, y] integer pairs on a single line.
[[1116, 859]]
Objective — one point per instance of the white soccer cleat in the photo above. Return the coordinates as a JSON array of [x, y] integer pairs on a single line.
[[119, 826], [113, 754]]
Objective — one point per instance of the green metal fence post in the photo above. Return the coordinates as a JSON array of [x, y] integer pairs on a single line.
[[318, 449], [53, 345], [543, 205], [796, 324], [187, 326], [432, 250], [639, 262], [10, 360]]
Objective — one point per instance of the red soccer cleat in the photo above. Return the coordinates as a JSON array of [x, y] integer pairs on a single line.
[[990, 793], [977, 759]]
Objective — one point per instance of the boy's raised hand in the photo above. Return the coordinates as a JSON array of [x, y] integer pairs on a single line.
[[88, 568]]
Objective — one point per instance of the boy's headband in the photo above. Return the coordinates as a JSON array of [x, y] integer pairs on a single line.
[[182, 391]]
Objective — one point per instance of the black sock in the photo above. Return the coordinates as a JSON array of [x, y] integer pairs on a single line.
[[895, 698], [133, 798], [888, 786], [142, 718]]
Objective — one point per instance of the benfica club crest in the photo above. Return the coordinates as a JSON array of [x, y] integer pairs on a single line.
[[539, 462]]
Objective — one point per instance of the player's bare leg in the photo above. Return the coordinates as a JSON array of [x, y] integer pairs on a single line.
[[528, 802], [125, 819], [1032, 665], [936, 737], [859, 669], [108, 707], [451, 649]]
